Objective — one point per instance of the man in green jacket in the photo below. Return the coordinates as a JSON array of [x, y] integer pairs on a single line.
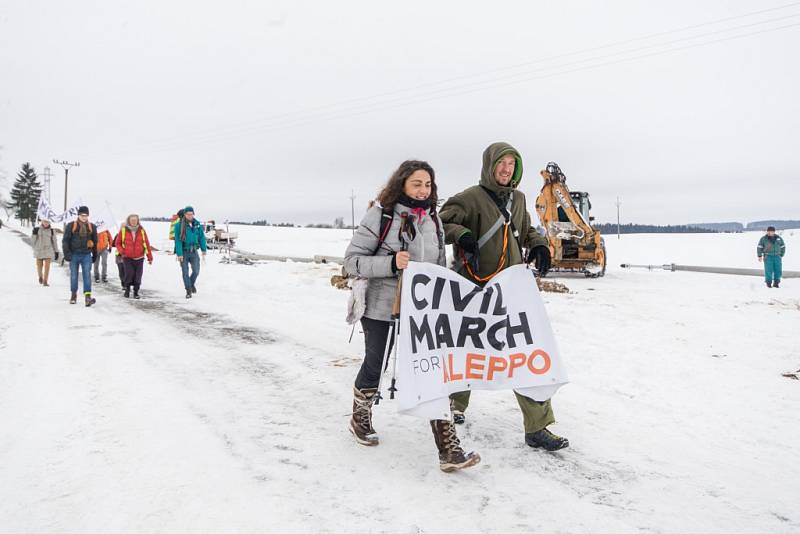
[[770, 250], [489, 227]]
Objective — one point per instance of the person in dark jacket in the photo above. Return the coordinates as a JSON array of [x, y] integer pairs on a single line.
[[133, 247], [771, 250], [80, 250], [489, 226], [189, 238]]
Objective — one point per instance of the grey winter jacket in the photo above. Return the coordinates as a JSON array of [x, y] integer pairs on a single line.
[[359, 260], [45, 244]]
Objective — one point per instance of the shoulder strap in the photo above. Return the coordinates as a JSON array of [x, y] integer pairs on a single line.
[[387, 215], [506, 216], [439, 234]]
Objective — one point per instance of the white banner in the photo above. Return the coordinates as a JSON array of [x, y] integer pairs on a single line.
[[105, 221], [45, 211], [456, 336]]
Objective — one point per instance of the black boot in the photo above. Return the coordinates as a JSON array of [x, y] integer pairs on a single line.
[[127, 293], [73, 298], [188, 293], [546, 440], [194, 289], [361, 420], [89, 300], [136, 294], [777, 283], [769, 284], [451, 455], [458, 415]]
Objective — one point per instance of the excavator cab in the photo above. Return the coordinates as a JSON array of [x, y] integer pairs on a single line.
[[574, 244]]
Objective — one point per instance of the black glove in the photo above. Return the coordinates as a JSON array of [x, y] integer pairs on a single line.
[[540, 257], [471, 250], [56, 255], [67, 257], [94, 257]]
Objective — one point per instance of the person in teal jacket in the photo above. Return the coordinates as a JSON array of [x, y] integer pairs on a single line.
[[770, 250], [189, 237]]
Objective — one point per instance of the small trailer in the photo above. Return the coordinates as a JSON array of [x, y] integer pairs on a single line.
[[217, 237]]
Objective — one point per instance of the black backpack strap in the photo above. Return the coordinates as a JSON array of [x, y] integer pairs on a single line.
[[387, 215]]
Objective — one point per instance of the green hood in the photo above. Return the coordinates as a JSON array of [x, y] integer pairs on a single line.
[[491, 155]]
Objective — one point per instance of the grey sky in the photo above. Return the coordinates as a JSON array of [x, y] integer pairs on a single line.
[[232, 106]]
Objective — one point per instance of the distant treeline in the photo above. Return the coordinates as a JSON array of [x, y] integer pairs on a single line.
[[721, 227], [779, 225], [338, 224], [633, 228]]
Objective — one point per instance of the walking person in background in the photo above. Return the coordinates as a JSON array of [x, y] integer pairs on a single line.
[[771, 250], [189, 237], [133, 246], [78, 244], [45, 249], [103, 247], [118, 261]]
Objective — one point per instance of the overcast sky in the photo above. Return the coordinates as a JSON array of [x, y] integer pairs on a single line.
[[276, 110]]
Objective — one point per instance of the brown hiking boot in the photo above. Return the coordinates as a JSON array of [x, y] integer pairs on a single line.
[[361, 421], [451, 455]]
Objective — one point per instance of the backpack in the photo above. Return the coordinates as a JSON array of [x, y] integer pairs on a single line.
[[387, 216]]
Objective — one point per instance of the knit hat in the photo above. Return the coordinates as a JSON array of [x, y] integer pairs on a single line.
[[770, 228], [188, 209], [82, 210]]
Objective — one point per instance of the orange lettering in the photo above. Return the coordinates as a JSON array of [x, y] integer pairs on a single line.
[[539, 370], [496, 364], [472, 364], [517, 360], [453, 375]]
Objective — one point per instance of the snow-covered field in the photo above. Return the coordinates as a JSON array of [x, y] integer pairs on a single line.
[[227, 412]]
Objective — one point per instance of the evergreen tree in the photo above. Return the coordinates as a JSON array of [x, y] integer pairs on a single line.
[[25, 194]]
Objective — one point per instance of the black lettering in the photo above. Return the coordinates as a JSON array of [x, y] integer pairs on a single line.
[[471, 327], [444, 335], [419, 279], [522, 328], [418, 333], [499, 309], [438, 289], [487, 299], [491, 334], [460, 303]]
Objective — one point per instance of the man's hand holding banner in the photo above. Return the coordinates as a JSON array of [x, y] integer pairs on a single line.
[[456, 336]]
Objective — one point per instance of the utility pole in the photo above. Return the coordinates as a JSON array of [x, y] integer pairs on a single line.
[[46, 184], [66, 165], [619, 203], [353, 211]]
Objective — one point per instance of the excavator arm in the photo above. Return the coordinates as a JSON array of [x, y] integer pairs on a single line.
[[574, 244]]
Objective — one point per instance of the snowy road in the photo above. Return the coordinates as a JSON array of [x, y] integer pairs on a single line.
[[226, 413]]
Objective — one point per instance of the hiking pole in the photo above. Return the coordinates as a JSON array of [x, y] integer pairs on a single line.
[[406, 227], [392, 334]]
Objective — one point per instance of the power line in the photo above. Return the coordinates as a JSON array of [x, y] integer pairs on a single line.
[[481, 74], [337, 114], [301, 118]]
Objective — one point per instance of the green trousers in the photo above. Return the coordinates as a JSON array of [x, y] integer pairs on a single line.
[[535, 415]]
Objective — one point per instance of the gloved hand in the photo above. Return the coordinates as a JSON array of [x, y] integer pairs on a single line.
[[540, 257], [67, 257], [94, 257], [56, 255], [471, 250]]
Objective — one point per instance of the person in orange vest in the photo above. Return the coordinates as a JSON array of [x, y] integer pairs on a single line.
[[133, 246], [101, 259]]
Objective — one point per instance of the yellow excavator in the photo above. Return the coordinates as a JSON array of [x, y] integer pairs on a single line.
[[574, 245]]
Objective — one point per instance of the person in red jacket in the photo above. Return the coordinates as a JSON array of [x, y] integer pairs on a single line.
[[133, 246]]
